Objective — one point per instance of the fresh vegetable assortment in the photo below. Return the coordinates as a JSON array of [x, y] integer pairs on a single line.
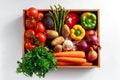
[[59, 37]]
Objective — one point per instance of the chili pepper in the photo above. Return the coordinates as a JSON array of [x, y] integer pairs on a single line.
[[71, 19], [88, 20], [77, 32]]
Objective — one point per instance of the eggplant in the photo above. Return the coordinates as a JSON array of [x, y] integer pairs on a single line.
[[48, 21]]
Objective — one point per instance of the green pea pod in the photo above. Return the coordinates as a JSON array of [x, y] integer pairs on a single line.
[[88, 20]]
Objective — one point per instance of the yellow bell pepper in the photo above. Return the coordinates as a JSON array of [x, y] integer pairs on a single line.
[[77, 32]]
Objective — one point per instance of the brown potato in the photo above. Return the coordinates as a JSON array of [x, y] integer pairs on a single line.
[[58, 48], [65, 31], [51, 34], [58, 40]]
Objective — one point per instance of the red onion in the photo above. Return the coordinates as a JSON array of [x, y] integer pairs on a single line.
[[82, 45], [92, 40], [89, 32]]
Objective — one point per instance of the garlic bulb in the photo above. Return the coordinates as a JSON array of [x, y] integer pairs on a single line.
[[67, 45]]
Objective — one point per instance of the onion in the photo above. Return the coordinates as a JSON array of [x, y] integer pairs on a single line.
[[92, 55], [82, 45], [89, 32], [92, 40]]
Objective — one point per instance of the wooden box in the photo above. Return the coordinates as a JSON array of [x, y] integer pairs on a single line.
[[79, 11]]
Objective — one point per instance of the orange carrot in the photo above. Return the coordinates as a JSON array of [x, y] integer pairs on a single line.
[[77, 54], [86, 64], [71, 59], [61, 63]]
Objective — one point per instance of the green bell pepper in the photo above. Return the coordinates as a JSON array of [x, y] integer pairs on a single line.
[[88, 20]]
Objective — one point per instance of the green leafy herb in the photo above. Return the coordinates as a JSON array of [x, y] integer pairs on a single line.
[[37, 61]]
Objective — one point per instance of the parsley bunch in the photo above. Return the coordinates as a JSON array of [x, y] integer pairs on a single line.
[[37, 61]]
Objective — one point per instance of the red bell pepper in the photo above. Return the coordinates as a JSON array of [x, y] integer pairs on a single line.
[[71, 19]]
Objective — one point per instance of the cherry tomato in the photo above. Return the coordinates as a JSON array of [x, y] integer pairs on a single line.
[[29, 46], [71, 19], [30, 23], [40, 16], [29, 34], [39, 27], [41, 37], [32, 12]]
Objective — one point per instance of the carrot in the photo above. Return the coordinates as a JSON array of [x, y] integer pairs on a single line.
[[71, 59], [61, 63], [86, 64], [79, 54]]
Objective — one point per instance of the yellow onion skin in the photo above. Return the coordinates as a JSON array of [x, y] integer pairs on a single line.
[[92, 55]]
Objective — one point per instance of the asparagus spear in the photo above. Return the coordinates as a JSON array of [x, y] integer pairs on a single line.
[[58, 15]]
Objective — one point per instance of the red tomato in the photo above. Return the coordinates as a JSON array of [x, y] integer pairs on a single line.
[[29, 34], [41, 37], [32, 12], [30, 23], [29, 46], [71, 19], [39, 27], [28, 40], [40, 16]]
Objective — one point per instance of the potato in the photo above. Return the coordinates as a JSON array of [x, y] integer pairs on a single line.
[[65, 31], [58, 40], [58, 48], [51, 34]]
